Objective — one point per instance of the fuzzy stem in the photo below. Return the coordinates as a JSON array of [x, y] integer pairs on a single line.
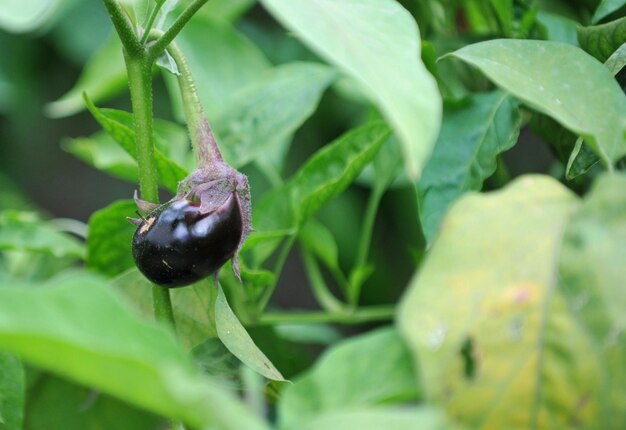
[[123, 27], [140, 83], [202, 138], [358, 316], [166, 38], [150, 23]]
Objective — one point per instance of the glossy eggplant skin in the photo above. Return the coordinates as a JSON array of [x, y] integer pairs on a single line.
[[177, 245]]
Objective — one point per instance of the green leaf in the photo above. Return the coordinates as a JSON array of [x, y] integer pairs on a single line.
[[119, 125], [333, 168], [228, 10], [602, 40], [605, 8], [24, 231], [192, 305], [257, 119], [581, 160], [422, 418], [558, 28], [376, 42], [561, 81], [505, 14], [54, 403], [20, 16], [325, 175], [616, 62], [496, 341], [321, 242], [238, 341], [103, 77], [102, 152], [85, 333], [365, 371], [472, 135], [592, 279], [11, 392], [109, 239], [221, 60]]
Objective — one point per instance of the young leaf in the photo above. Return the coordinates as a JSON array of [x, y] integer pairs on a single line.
[[85, 333], [592, 280], [109, 239], [365, 371], [24, 231], [119, 125], [12, 392], [472, 136], [238, 341], [497, 343], [376, 42], [602, 40], [103, 77], [561, 81], [606, 7], [270, 110]]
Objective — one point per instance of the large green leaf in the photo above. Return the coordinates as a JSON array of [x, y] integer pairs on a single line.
[[592, 279], [369, 370], [561, 81], [472, 136], [228, 10], [109, 239], [257, 119], [496, 342], [376, 42], [83, 332], [607, 7], [24, 231], [54, 403], [119, 125], [235, 337], [192, 306], [221, 60], [102, 77], [28, 15], [602, 40], [387, 418], [11, 392]]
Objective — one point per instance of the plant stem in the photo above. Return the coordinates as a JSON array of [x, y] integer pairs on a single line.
[[139, 70], [358, 316], [282, 257], [501, 176], [150, 23], [204, 144], [123, 27], [368, 225], [320, 290], [167, 37]]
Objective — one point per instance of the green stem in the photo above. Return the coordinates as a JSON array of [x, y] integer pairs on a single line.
[[167, 37], [501, 176], [368, 225], [202, 139], [139, 70], [150, 23], [282, 257], [320, 290], [358, 316], [123, 27]]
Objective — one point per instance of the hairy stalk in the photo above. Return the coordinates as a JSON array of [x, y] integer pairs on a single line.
[[358, 316], [139, 69], [202, 139], [167, 37]]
